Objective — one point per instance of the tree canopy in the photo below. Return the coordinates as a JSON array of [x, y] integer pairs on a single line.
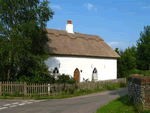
[[23, 24], [143, 49]]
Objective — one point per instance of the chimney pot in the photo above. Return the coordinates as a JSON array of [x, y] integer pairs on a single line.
[[69, 22], [69, 27]]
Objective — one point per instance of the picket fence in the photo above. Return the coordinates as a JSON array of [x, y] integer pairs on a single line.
[[27, 89], [49, 89]]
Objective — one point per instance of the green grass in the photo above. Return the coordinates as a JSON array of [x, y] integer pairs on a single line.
[[122, 105]]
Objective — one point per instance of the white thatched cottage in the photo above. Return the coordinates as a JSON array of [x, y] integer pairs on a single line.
[[80, 55]]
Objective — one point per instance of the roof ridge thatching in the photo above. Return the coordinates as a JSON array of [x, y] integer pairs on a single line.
[[63, 43], [75, 35]]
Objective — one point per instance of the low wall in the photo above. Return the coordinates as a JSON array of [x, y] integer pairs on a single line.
[[138, 88], [86, 85], [92, 85]]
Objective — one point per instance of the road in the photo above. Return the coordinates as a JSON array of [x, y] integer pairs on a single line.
[[82, 104]]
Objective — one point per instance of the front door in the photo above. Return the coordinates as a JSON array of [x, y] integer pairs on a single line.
[[76, 74]]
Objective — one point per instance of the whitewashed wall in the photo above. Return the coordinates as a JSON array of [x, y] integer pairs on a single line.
[[107, 68]]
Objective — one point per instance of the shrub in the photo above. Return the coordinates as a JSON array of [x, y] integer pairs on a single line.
[[16, 94], [65, 79], [71, 90]]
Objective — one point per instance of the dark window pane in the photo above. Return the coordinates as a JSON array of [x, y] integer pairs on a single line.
[[95, 70], [55, 70]]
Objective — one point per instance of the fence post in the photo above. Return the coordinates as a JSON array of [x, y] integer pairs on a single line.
[[0, 88], [49, 89], [25, 88]]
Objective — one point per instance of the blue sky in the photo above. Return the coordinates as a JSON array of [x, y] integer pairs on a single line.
[[118, 22]]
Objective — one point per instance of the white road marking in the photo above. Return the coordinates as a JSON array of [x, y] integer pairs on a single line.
[[29, 102], [13, 106], [3, 108], [16, 103], [7, 105], [22, 104]]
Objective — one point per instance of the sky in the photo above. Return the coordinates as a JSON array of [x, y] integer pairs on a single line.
[[118, 22]]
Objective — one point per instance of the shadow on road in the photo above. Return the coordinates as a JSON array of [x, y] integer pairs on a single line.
[[120, 92]]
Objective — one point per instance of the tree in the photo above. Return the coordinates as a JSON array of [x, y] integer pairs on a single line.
[[119, 63], [23, 24], [126, 62], [143, 49]]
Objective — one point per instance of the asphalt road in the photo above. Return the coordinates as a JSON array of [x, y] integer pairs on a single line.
[[83, 104]]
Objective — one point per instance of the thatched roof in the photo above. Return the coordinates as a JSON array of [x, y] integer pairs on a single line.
[[63, 43]]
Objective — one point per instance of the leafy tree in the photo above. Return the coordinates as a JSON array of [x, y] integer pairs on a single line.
[[143, 49], [4, 53], [23, 24], [119, 63], [126, 62]]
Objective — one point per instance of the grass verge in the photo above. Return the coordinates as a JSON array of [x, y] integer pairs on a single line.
[[122, 105]]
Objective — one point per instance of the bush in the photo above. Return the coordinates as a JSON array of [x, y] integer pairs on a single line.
[[71, 90], [126, 74], [65, 79]]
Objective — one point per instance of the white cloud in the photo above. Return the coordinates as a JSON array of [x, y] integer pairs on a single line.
[[121, 45], [88, 5], [115, 43], [55, 6], [146, 7]]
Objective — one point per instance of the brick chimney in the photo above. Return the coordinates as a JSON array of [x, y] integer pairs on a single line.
[[69, 27]]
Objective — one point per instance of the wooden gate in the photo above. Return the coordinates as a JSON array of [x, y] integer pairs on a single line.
[[76, 74]]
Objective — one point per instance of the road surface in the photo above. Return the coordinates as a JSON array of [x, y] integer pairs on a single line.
[[82, 104]]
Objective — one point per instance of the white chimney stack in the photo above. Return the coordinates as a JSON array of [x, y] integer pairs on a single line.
[[69, 27]]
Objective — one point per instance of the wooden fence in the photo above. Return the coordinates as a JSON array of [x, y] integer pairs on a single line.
[[49, 89], [27, 89]]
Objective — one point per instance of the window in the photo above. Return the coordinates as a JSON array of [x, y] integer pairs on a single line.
[[95, 70], [94, 75], [56, 71]]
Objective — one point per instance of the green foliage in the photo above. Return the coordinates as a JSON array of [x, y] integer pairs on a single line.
[[76, 86], [71, 90], [16, 94], [143, 49], [86, 80], [22, 50], [126, 62], [36, 73], [65, 79]]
